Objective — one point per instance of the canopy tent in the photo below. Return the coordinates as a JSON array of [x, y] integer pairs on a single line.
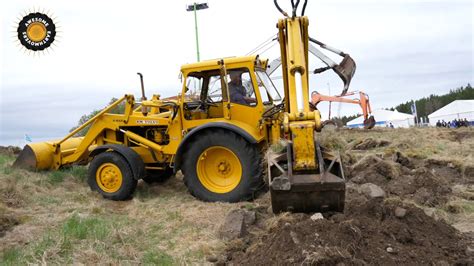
[[383, 118], [458, 109]]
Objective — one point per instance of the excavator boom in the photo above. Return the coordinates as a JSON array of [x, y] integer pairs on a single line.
[[363, 102]]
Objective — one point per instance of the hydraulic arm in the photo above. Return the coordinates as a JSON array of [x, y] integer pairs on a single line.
[[307, 184]]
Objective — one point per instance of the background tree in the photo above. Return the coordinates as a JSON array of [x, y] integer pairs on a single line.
[[119, 109]]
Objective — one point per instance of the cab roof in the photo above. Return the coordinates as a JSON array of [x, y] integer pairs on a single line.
[[215, 62]]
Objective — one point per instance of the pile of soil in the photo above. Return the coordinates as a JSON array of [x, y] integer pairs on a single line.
[[427, 182], [10, 150], [369, 143], [369, 232]]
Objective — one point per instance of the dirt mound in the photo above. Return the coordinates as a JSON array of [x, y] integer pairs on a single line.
[[369, 143], [10, 150], [460, 135], [369, 232], [422, 181]]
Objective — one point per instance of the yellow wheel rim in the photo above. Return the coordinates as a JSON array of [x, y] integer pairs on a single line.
[[219, 169], [109, 177], [36, 31]]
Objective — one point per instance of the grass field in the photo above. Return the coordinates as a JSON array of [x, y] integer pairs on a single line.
[[54, 218]]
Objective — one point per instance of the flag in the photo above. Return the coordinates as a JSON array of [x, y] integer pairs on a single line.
[[413, 109], [27, 138]]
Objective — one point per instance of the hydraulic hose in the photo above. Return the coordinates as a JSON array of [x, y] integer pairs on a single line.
[[279, 8]]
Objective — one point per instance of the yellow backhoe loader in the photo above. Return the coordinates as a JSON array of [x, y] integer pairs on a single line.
[[216, 132]]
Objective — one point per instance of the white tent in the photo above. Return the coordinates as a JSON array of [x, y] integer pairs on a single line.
[[458, 109], [383, 118]]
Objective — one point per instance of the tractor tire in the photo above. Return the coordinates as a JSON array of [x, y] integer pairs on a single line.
[[158, 176], [222, 166], [110, 174]]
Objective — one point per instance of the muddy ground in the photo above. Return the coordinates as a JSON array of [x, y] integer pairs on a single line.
[[424, 217], [409, 200]]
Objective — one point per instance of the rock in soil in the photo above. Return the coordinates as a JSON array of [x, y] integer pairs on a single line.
[[400, 212], [317, 216], [234, 225], [372, 190]]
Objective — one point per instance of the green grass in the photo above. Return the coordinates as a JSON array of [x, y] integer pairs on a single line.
[[5, 159], [12, 256], [83, 228], [56, 177], [46, 242], [467, 206], [79, 173], [6, 170], [157, 257], [174, 215]]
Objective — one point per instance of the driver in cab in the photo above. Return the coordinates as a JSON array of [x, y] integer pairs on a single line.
[[238, 93]]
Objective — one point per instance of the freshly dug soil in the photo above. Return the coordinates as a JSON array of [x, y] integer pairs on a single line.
[[427, 182], [368, 232]]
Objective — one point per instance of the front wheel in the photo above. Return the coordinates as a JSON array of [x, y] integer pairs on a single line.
[[222, 166], [111, 175]]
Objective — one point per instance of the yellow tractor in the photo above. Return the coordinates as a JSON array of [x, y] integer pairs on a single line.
[[217, 132]]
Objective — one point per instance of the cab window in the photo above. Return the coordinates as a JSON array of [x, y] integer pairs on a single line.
[[240, 85]]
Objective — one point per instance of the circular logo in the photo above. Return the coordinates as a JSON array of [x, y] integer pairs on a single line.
[[36, 31]]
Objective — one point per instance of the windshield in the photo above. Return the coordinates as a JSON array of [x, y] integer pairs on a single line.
[[267, 90]]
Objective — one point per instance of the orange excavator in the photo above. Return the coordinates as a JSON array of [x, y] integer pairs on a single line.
[[363, 102]]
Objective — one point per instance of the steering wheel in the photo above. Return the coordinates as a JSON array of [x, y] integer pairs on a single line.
[[273, 110], [204, 105]]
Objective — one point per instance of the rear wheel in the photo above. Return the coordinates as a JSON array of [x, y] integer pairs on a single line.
[[222, 166], [111, 175]]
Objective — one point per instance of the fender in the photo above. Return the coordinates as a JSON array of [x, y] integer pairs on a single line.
[[133, 159], [237, 130]]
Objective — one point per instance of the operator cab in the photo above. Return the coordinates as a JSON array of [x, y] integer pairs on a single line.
[[242, 83]]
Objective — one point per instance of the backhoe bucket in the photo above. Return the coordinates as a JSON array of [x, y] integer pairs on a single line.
[[346, 70], [40, 156], [369, 122], [321, 191]]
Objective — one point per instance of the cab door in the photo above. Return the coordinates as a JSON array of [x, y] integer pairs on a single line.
[[244, 102]]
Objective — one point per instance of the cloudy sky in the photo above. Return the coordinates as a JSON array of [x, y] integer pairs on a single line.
[[404, 50]]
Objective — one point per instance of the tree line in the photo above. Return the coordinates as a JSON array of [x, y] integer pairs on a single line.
[[428, 105]]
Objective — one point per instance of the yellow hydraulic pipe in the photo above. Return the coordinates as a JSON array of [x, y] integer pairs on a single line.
[[142, 140]]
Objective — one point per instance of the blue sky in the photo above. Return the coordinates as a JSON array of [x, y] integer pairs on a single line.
[[403, 49]]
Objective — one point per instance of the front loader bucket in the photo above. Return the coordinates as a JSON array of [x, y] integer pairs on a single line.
[[321, 190], [40, 155]]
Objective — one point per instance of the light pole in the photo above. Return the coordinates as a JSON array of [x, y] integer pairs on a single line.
[[194, 7]]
